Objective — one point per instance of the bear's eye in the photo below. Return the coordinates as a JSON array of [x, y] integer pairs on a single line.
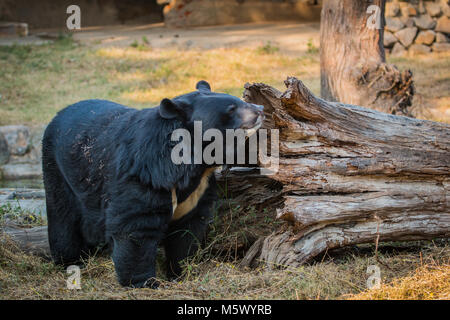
[[231, 109]]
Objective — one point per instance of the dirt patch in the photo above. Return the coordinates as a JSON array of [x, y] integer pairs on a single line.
[[291, 38]]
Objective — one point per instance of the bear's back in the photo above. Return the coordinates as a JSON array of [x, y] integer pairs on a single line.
[[87, 117], [90, 111]]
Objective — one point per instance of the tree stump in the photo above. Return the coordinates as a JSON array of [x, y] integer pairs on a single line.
[[351, 175]]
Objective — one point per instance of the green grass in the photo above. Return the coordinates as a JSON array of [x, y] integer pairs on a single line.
[[312, 49], [268, 48], [19, 215]]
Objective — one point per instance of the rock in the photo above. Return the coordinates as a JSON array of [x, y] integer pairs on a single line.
[[441, 47], [446, 9], [4, 151], [14, 28], [433, 8], [426, 37], [421, 8], [392, 9], [26, 194], [407, 21], [424, 22], [398, 50], [419, 49], [33, 149], [394, 24], [406, 36], [36, 135], [441, 38], [408, 10], [17, 137], [21, 171], [389, 39], [443, 25], [188, 44]]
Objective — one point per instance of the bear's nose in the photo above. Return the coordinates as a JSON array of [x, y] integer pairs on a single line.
[[260, 110]]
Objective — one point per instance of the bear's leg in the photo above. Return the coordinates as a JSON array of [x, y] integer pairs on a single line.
[[63, 215], [135, 261], [185, 237]]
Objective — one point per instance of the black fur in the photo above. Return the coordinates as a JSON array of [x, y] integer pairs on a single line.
[[108, 177]]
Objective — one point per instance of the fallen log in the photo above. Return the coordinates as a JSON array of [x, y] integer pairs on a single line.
[[31, 240], [351, 175]]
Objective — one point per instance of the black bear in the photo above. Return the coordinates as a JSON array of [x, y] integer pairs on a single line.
[[110, 180]]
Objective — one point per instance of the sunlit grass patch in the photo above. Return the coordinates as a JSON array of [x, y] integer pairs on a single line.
[[428, 282], [125, 53], [37, 81], [226, 69], [431, 75]]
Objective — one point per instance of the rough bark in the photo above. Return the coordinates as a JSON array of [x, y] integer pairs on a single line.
[[352, 175], [30, 240], [353, 63]]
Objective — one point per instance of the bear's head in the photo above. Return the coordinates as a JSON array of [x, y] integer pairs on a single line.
[[214, 110], [186, 157]]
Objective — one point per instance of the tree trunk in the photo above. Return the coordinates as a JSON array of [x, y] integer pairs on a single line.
[[352, 175], [352, 58]]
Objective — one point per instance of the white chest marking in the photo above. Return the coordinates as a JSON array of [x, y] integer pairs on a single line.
[[183, 208]]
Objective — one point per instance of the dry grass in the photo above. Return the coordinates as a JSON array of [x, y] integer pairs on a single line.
[[431, 74], [37, 81], [428, 282], [213, 274]]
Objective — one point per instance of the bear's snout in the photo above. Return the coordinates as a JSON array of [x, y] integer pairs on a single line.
[[252, 116]]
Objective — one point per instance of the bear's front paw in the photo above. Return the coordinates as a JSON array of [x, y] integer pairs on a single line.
[[151, 283]]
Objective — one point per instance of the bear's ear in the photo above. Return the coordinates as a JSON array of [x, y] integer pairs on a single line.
[[202, 85], [170, 110]]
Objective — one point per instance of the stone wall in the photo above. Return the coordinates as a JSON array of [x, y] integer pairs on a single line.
[[418, 27], [52, 13], [185, 13], [20, 152]]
